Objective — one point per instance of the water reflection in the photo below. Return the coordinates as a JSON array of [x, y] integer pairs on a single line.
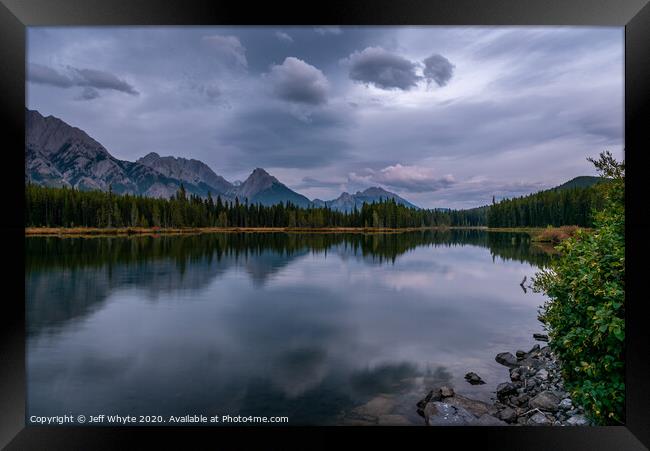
[[324, 328]]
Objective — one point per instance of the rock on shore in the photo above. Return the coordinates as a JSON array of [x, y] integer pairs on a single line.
[[535, 396], [474, 379], [444, 407]]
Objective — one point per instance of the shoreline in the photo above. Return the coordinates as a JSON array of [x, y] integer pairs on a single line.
[[97, 231], [534, 396], [93, 231]]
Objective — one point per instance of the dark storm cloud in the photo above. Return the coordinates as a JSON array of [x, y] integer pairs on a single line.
[[297, 81], [521, 104], [384, 69], [274, 137], [418, 186], [72, 76], [88, 94], [412, 179], [101, 80], [439, 69], [37, 73]]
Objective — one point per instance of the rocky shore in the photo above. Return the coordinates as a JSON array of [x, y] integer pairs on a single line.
[[534, 396]]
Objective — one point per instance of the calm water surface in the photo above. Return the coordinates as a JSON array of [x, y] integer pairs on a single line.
[[322, 328]]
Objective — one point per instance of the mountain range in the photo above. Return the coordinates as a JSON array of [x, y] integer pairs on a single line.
[[348, 202], [58, 154]]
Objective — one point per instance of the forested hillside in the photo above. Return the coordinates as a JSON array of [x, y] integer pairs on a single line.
[[66, 207], [556, 207]]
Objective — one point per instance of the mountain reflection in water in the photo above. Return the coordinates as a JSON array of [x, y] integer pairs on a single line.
[[324, 328]]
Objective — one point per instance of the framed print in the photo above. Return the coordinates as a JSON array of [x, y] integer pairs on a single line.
[[358, 218]]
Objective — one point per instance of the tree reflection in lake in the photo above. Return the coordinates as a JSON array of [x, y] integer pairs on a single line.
[[320, 327]]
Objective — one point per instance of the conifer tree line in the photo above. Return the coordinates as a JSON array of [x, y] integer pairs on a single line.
[[67, 207], [553, 207]]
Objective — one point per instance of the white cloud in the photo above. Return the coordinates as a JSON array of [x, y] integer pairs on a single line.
[[228, 47], [282, 36]]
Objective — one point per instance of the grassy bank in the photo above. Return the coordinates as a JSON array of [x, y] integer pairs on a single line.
[[91, 231], [540, 234], [549, 234]]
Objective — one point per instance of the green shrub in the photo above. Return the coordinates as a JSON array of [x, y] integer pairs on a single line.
[[586, 307]]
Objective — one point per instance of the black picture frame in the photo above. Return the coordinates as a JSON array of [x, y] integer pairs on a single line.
[[16, 15]]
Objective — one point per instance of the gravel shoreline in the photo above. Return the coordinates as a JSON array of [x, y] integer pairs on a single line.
[[534, 396]]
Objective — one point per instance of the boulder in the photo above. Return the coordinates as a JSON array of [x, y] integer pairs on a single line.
[[433, 395], [443, 414], [546, 401], [473, 406], [539, 419], [474, 378], [542, 374], [534, 350], [566, 404], [560, 393], [504, 390], [522, 399], [508, 415], [577, 420], [430, 410], [423, 402], [540, 337], [507, 359], [515, 374], [531, 363], [520, 354], [446, 392]]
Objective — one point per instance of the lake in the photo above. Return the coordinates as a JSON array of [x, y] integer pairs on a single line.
[[322, 328]]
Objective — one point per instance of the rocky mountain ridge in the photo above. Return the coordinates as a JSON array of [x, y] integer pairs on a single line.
[[348, 202], [58, 154]]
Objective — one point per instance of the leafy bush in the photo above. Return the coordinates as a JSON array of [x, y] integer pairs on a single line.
[[586, 307]]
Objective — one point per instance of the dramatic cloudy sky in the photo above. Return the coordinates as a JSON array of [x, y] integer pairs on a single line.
[[444, 116]]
